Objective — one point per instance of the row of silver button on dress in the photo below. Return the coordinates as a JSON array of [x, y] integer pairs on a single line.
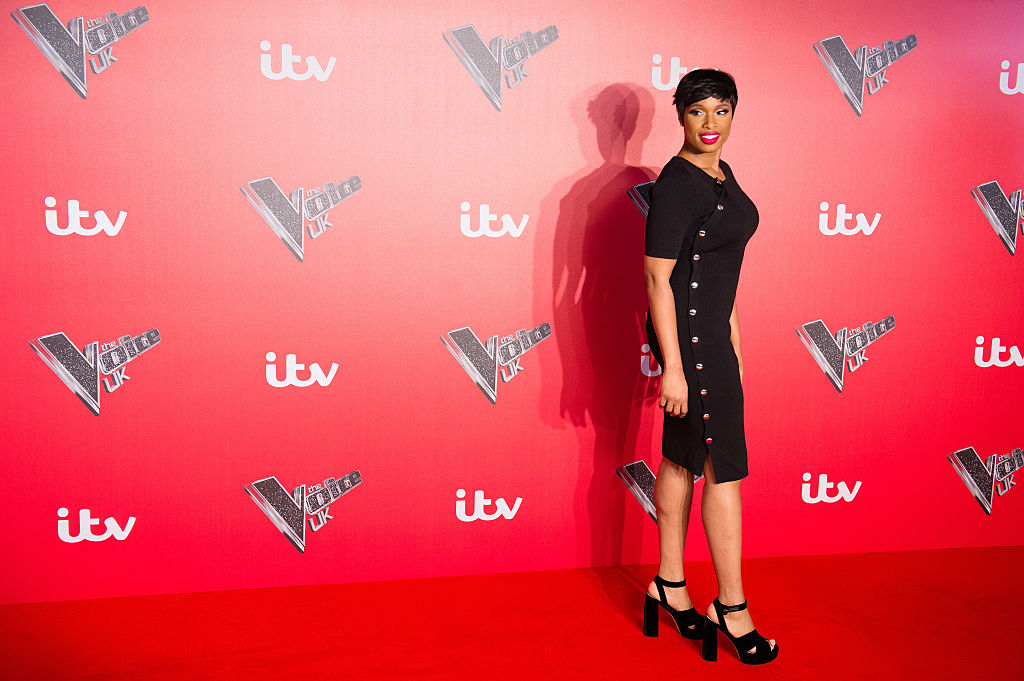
[[705, 399]]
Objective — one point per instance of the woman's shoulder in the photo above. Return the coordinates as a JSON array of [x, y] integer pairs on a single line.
[[677, 191], [675, 172]]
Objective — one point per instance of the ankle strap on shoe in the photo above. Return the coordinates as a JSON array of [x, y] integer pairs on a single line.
[[662, 583], [723, 609]]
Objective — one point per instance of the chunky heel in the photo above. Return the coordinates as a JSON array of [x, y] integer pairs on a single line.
[[763, 651], [709, 646], [650, 615], [689, 623]]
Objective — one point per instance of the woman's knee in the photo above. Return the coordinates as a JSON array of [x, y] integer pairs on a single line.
[[670, 470]]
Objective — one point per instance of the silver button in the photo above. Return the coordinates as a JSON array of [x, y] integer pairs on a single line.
[[702, 233], [693, 312], [700, 366], [693, 285], [717, 181], [696, 256], [720, 206], [694, 339], [703, 392], [707, 416]]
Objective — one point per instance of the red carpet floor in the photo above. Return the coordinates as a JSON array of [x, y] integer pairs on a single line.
[[951, 614]]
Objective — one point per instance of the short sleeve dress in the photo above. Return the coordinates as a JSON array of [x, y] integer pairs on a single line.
[[704, 224]]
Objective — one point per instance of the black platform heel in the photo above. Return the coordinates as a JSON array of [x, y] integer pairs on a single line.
[[763, 652], [689, 623]]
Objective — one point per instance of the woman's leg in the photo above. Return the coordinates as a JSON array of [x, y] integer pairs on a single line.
[[720, 510], [673, 494]]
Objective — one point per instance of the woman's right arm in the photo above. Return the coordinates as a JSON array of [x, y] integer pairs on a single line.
[[674, 391]]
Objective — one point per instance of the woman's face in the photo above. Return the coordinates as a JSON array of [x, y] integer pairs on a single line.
[[706, 125]]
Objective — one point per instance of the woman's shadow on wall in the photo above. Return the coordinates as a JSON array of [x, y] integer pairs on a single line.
[[599, 304]]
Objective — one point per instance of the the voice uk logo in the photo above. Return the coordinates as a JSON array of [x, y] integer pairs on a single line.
[[1004, 213], [302, 210], [290, 512], [80, 370], [486, 61], [500, 355], [852, 71], [986, 478], [69, 48], [844, 349]]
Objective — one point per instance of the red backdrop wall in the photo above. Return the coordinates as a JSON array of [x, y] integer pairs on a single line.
[[185, 117]]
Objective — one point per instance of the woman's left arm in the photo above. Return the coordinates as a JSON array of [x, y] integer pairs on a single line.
[[734, 336]]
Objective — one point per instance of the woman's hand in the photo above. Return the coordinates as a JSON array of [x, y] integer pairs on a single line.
[[674, 392]]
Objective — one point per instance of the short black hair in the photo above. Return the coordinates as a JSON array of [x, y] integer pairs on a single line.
[[699, 84]]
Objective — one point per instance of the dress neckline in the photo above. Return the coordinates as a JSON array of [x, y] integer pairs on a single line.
[[723, 164]]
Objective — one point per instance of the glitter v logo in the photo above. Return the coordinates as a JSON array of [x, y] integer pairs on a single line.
[[994, 475], [66, 48], [833, 352], [80, 370], [1004, 213], [286, 214], [852, 70], [482, 361], [484, 61], [289, 512]]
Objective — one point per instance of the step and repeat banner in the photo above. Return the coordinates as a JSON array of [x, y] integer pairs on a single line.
[[311, 292]]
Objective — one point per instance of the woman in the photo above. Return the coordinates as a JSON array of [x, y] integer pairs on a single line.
[[697, 227]]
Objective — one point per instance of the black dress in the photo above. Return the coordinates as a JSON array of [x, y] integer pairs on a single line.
[[703, 223]]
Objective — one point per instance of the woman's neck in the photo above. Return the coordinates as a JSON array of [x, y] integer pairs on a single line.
[[710, 163]]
